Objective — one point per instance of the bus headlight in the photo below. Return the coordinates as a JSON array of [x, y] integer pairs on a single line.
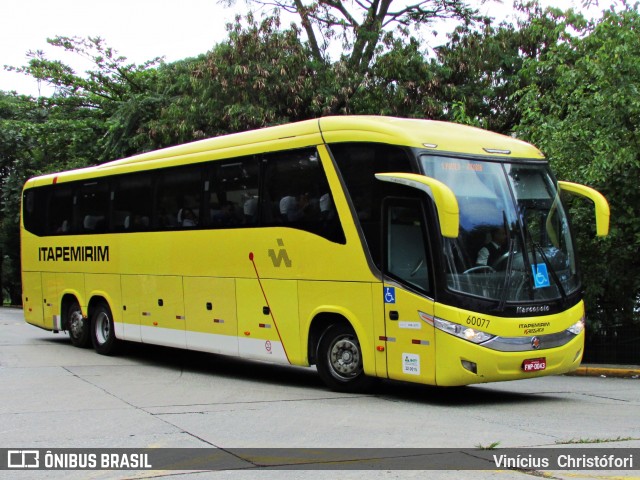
[[577, 327], [467, 333]]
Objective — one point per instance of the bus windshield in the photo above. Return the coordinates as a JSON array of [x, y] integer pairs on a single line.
[[514, 243]]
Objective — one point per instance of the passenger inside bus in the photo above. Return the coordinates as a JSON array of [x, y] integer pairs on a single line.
[[225, 216], [187, 218], [293, 209]]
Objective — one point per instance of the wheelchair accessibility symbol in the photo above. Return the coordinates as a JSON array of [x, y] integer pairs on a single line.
[[389, 295], [540, 275]]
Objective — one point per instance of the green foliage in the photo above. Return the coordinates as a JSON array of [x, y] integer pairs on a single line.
[[363, 29], [262, 75], [116, 94], [36, 136], [401, 83], [583, 109], [110, 78], [481, 70]]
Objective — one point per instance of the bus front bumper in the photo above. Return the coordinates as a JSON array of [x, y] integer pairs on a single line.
[[460, 362]]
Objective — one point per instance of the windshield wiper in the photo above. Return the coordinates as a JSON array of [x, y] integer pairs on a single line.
[[537, 248], [507, 277]]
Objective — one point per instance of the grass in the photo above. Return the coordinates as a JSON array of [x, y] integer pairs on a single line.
[[574, 441], [491, 446]]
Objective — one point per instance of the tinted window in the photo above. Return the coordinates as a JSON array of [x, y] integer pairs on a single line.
[[358, 162], [178, 198], [34, 204], [92, 207], [280, 189], [406, 251], [61, 209], [132, 202], [232, 193], [297, 194]]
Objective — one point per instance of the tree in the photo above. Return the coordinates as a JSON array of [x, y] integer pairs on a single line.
[[362, 25], [401, 82], [110, 80], [481, 69], [36, 136], [261, 75], [583, 110], [106, 91], [365, 29]]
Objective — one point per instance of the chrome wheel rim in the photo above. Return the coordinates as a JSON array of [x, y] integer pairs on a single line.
[[76, 324], [103, 328], [344, 358]]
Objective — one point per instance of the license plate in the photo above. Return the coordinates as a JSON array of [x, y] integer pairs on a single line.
[[534, 364]]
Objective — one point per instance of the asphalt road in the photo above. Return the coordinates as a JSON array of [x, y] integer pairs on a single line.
[[53, 395]]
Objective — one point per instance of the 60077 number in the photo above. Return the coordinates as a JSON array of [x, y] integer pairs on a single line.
[[478, 321]]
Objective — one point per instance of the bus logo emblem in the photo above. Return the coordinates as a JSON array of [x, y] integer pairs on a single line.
[[282, 255], [23, 458], [535, 343]]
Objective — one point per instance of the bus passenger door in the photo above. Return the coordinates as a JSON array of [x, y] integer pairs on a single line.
[[407, 289]]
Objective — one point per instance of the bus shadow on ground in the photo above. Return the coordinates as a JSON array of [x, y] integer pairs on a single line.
[[470, 395], [305, 377]]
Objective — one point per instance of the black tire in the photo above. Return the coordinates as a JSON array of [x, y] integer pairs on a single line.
[[103, 335], [77, 326], [339, 360]]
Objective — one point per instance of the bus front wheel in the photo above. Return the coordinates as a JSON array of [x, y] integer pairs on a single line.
[[339, 360], [103, 334], [77, 326]]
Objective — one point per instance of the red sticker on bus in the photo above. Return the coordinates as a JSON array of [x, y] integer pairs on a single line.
[[534, 364]]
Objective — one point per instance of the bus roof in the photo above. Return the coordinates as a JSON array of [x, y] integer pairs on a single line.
[[432, 134], [436, 136]]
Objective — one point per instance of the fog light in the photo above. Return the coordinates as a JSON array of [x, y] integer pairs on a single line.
[[471, 366], [578, 353]]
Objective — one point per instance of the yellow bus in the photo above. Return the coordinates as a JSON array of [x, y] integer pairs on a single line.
[[368, 246]]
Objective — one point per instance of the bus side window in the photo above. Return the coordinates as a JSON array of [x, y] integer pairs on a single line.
[[179, 194], [61, 207], [92, 206], [132, 196], [358, 163], [35, 208], [232, 193], [406, 250], [297, 194]]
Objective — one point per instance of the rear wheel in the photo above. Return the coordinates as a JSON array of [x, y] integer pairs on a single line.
[[77, 326], [103, 334], [339, 360]]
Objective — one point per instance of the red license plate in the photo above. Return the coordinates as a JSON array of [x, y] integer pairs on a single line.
[[534, 364]]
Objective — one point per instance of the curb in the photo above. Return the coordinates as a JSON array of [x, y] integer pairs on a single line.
[[619, 371]]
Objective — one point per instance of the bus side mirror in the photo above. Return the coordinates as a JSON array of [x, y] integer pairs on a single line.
[[443, 197], [600, 203]]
